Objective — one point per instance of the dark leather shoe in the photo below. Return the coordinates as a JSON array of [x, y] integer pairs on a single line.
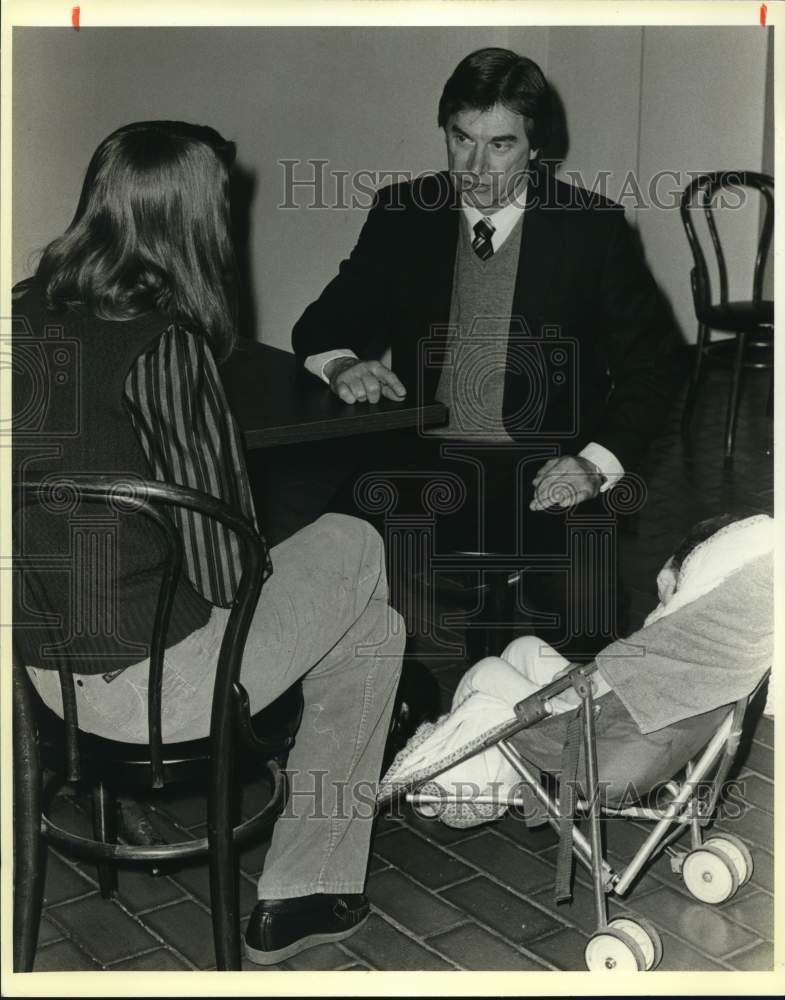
[[280, 928]]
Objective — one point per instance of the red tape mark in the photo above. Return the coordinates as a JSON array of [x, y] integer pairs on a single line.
[[75, 17], [763, 15]]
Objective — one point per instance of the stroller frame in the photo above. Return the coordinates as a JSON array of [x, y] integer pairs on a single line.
[[713, 869]]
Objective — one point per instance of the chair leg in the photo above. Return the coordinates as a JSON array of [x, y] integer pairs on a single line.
[[28, 846], [735, 392], [105, 830], [495, 618], [224, 875], [479, 640], [477, 643], [502, 601], [770, 400], [695, 377]]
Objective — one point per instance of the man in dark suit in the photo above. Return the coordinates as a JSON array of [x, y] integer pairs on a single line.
[[524, 305]]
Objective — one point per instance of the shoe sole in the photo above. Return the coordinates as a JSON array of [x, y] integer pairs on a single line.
[[259, 957]]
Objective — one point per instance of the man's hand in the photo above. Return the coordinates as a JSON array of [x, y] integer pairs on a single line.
[[565, 482], [357, 381]]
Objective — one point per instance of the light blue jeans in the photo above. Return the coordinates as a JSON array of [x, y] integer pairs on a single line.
[[324, 617]]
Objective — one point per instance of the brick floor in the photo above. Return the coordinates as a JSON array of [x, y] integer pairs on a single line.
[[481, 898]]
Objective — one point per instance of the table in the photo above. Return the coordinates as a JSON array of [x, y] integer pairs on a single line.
[[275, 402]]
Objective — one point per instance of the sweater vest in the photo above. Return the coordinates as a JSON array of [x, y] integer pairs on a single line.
[[472, 379]]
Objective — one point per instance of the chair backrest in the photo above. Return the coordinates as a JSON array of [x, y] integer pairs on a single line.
[[148, 499], [703, 195]]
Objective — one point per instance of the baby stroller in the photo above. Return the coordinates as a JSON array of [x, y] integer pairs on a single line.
[[600, 751], [713, 867]]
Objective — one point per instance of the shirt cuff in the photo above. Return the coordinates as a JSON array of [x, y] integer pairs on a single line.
[[606, 462], [315, 363]]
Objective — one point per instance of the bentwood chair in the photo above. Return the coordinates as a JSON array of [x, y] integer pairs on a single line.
[[44, 741], [750, 321]]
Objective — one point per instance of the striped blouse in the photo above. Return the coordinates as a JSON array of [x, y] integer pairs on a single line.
[[179, 411]]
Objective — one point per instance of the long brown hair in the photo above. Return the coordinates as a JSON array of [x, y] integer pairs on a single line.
[[152, 231]]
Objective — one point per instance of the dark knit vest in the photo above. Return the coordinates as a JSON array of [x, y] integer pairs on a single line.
[[472, 385], [99, 567]]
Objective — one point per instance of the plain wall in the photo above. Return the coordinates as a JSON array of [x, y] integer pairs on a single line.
[[637, 100], [702, 108], [647, 105], [363, 99], [597, 73]]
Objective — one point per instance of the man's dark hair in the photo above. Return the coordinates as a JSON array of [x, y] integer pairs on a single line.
[[499, 76], [699, 533]]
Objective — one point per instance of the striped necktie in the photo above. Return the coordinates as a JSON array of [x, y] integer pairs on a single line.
[[481, 244]]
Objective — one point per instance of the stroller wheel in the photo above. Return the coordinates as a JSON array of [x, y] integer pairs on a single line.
[[645, 934], [737, 853], [710, 875], [614, 950]]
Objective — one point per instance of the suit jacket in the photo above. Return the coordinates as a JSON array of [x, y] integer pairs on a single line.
[[590, 356]]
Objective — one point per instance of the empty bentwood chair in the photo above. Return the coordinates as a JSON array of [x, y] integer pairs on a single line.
[[750, 321], [44, 741]]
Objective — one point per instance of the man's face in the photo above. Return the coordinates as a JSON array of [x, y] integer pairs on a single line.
[[488, 154]]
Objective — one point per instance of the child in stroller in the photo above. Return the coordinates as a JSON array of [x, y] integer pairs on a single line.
[[655, 700]]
